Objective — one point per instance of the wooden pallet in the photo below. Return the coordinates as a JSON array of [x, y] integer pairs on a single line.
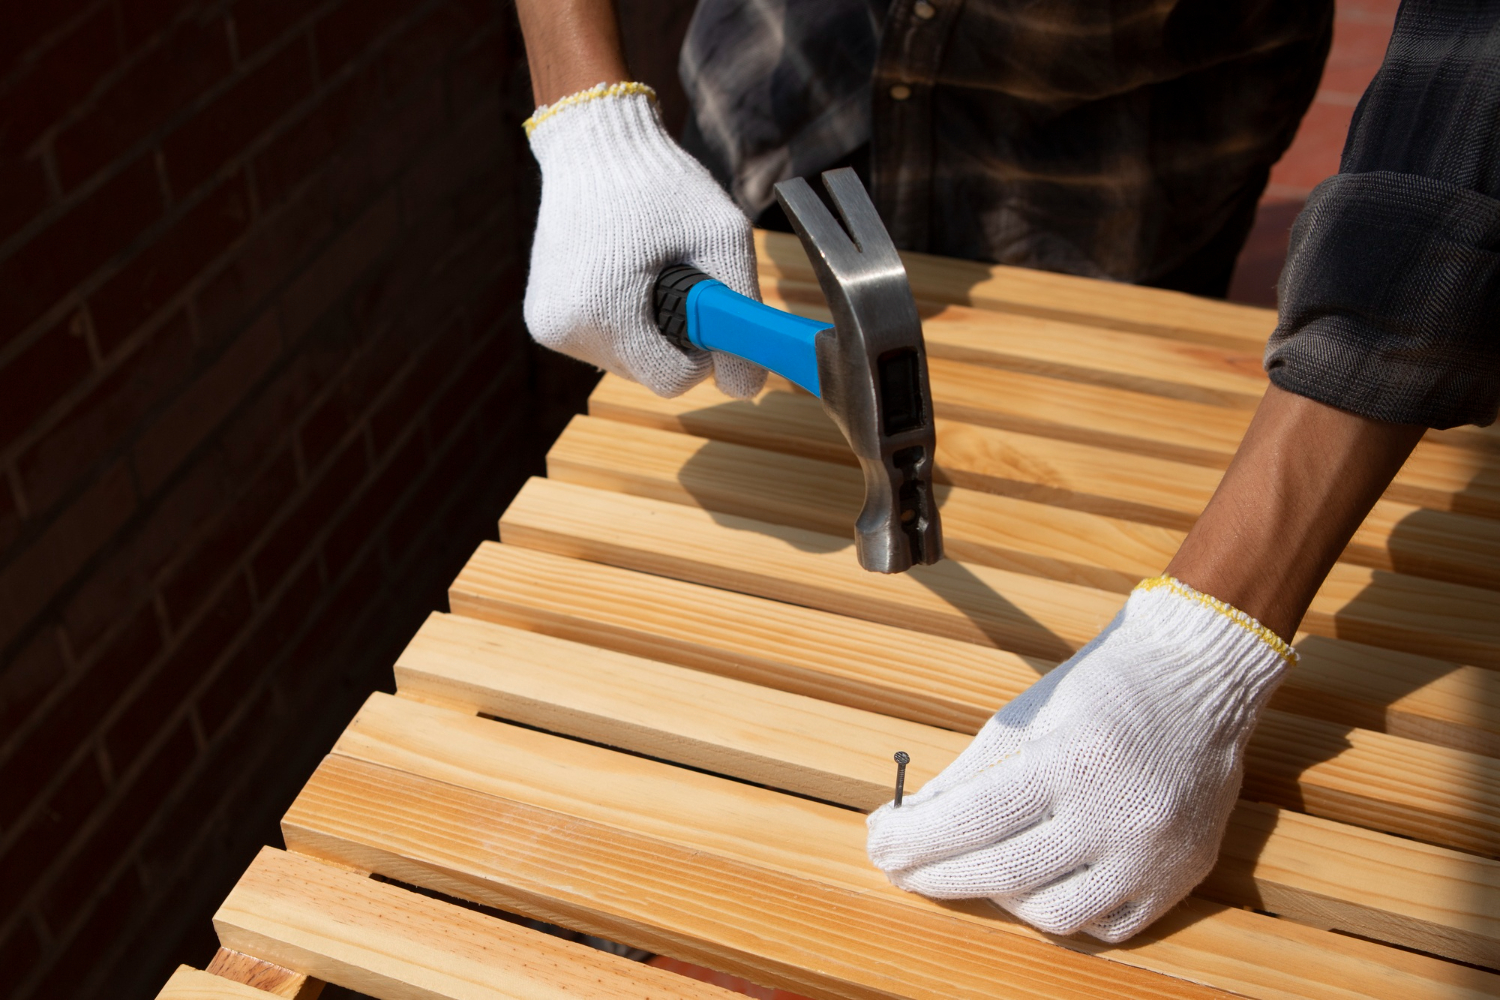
[[660, 705]]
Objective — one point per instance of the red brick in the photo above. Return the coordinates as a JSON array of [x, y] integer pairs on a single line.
[[96, 423], [56, 363], [356, 529], [47, 89], [294, 537], [116, 582], [306, 146], [423, 48], [140, 19], [325, 429], [1357, 52], [36, 574], [339, 266], [258, 23], [77, 244], [242, 675], [20, 951], [74, 719], [10, 516], [471, 151], [118, 903], [481, 70], [314, 659], [263, 426], [27, 680], [237, 118], [109, 842], [193, 58], [416, 390], [218, 554], [216, 391], [174, 681], [350, 29], [1315, 151], [38, 846], [27, 24], [277, 246], [497, 365], [25, 188], [163, 269], [374, 156]]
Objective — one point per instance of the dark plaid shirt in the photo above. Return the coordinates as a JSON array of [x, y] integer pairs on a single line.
[[1130, 140], [1124, 139]]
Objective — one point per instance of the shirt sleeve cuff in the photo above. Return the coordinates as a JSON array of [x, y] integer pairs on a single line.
[[1389, 301]]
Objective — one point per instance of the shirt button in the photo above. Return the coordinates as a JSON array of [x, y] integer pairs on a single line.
[[900, 92], [924, 10]]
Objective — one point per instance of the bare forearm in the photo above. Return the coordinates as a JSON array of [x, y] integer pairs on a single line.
[[570, 46], [1303, 479]]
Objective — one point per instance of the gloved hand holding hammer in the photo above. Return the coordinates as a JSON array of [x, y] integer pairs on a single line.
[[620, 201]]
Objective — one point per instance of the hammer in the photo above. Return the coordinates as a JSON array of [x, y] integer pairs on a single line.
[[869, 368]]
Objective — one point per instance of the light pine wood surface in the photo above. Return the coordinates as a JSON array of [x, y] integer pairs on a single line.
[[1322, 872], [662, 702]]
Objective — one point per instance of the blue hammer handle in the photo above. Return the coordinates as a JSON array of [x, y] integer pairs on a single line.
[[695, 310]]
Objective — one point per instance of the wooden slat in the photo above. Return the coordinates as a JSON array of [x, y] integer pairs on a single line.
[[930, 678], [1395, 611], [1022, 291], [1327, 873], [190, 984], [385, 941], [613, 838], [1438, 475], [1460, 547], [938, 282], [1339, 773], [269, 977], [798, 932]]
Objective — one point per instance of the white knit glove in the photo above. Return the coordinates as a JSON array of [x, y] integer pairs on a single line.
[[1096, 799], [620, 201]]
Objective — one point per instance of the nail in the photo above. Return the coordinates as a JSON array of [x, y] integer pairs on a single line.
[[902, 759]]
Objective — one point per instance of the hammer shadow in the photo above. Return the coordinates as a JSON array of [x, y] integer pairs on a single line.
[[827, 525]]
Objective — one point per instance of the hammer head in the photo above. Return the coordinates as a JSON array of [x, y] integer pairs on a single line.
[[872, 369]]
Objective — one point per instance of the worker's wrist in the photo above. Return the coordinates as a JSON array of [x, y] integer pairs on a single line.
[[599, 92]]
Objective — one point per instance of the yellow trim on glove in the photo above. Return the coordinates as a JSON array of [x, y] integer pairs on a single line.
[[1234, 614], [594, 93]]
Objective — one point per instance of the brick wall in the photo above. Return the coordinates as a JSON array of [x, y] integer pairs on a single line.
[[263, 386]]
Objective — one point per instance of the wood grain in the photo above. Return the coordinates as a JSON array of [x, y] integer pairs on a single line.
[[1462, 548], [1458, 804], [386, 941], [1396, 611], [266, 976], [1330, 874], [939, 282], [923, 677], [190, 984], [612, 836]]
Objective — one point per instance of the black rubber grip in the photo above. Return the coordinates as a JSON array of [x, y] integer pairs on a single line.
[[670, 302]]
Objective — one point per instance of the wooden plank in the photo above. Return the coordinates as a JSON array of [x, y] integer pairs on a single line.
[[1441, 544], [1395, 611], [385, 941], [925, 678], [1438, 475], [1065, 298], [799, 932], [1336, 772], [268, 977], [1332, 875], [939, 282], [190, 984], [675, 861]]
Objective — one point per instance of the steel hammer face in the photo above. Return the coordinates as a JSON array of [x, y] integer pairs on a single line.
[[872, 369]]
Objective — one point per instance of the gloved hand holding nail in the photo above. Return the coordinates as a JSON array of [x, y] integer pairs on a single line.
[[1097, 799]]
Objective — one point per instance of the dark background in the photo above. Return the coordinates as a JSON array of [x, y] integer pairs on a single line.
[[264, 386]]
